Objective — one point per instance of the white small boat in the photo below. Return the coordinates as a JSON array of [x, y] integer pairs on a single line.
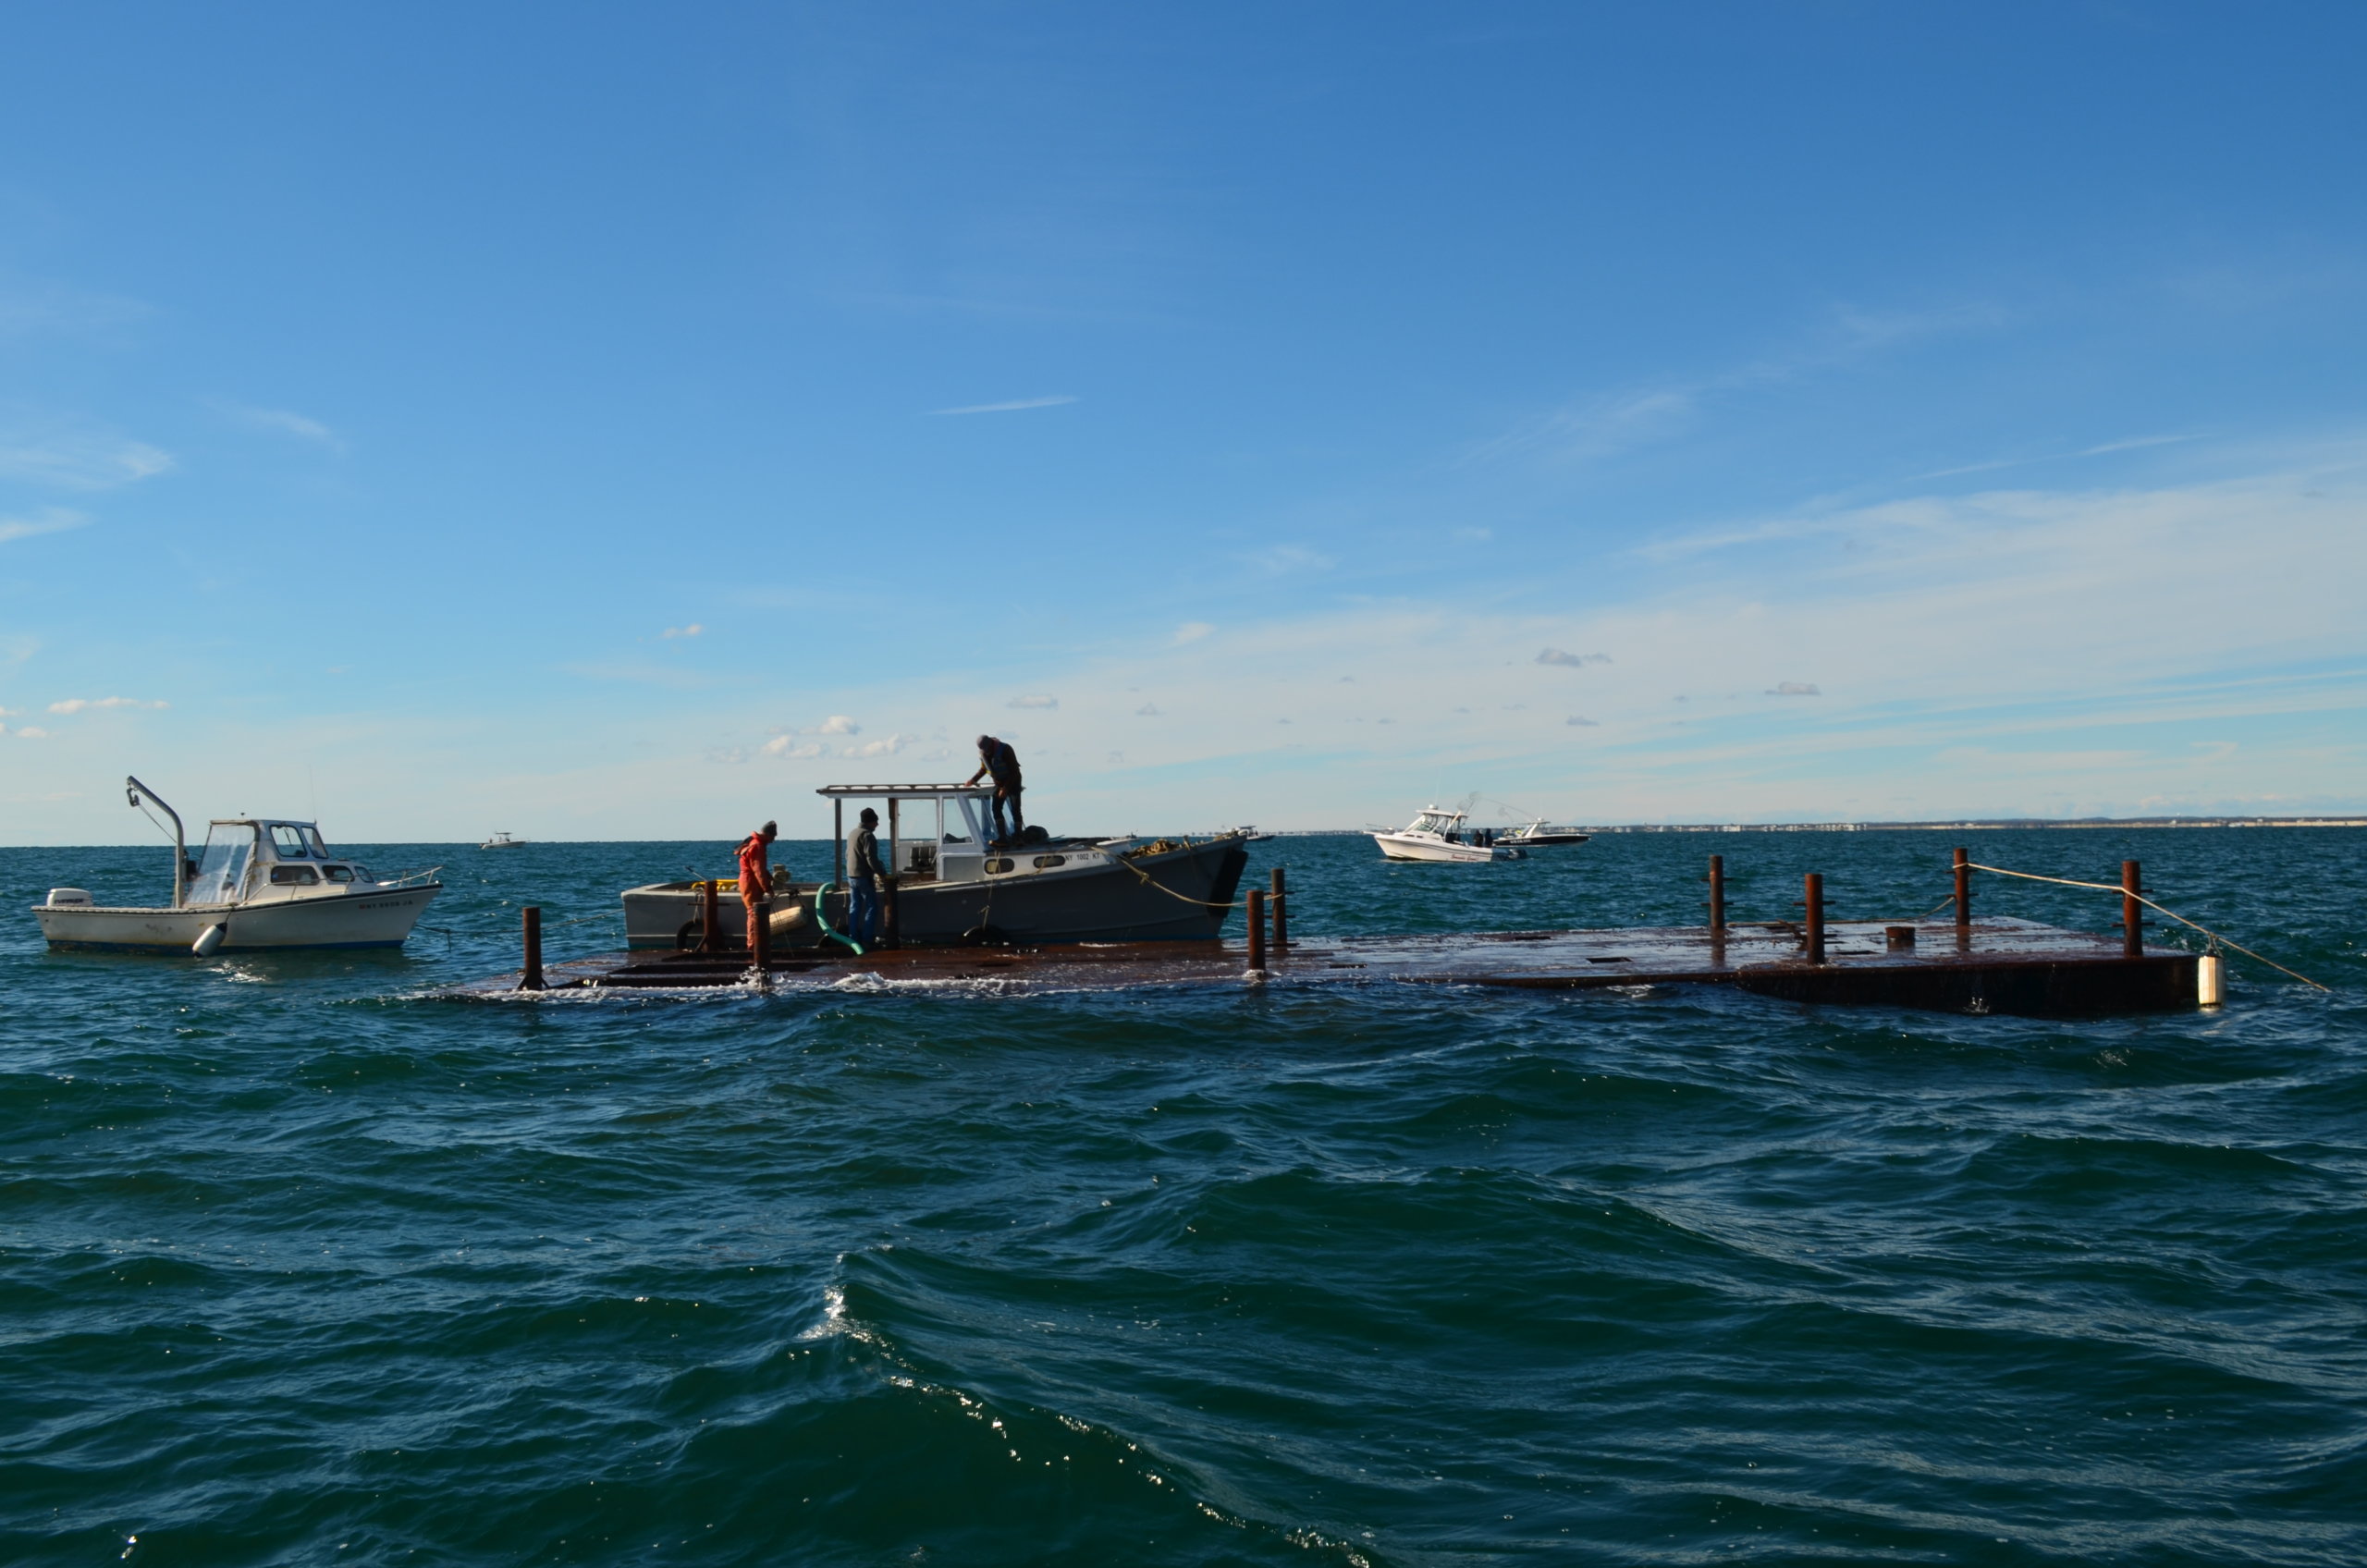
[[260, 884], [503, 842], [1538, 835], [1438, 834]]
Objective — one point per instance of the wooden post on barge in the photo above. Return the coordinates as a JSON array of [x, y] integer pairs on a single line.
[[1815, 922], [1718, 911], [838, 840], [530, 978], [1280, 901], [762, 927], [2132, 929], [1257, 931], [1962, 899], [711, 922]]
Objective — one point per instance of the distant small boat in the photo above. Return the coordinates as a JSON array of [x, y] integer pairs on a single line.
[[503, 842], [1439, 835], [1536, 835]]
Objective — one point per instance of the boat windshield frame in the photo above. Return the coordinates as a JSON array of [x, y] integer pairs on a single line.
[[224, 864]]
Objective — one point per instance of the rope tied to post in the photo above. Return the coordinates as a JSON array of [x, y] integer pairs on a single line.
[[1150, 881], [2126, 893]]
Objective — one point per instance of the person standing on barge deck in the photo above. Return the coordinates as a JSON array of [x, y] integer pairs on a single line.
[[755, 876], [998, 758], [864, 876]]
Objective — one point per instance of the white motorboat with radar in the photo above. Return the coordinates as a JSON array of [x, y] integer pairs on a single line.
[[952, 887], [260, 885], [1538, 835], [1438, 834], [503, 842]]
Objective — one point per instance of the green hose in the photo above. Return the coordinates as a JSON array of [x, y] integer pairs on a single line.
[[823, 920]]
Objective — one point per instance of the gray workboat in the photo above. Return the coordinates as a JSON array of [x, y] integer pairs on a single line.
[[954, 885]]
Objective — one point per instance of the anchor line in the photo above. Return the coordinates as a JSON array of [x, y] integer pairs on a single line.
[[1148, 881], [2182, 920]]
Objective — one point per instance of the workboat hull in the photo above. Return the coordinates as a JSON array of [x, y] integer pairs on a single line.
[[375, 917], [1427, 847], [1179, 895]]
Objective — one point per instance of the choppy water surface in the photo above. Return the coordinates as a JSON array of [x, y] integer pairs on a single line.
[[305, 1264]]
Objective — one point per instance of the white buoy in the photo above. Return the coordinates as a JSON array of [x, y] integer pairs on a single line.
[[209, 939], [2209, 980]]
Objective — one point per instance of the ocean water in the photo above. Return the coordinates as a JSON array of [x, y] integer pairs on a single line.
[[302, 1261]]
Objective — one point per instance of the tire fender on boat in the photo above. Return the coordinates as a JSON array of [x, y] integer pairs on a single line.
[[210, 939]]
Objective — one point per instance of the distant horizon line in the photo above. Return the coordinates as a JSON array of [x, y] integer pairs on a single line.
[[1970, 825]]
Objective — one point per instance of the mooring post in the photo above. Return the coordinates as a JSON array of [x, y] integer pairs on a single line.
[[1964, 889], [2132, 929], [891, 923], [531, 977], [711, 922], [1281, 902], [1815, 921], [1257, 931], [1717, 898], [762, 957], [839, 839]]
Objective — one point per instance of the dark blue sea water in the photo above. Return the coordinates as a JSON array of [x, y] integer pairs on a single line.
[[301, 1262]]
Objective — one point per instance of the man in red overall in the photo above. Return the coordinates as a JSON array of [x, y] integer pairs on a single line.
[[755, 876]]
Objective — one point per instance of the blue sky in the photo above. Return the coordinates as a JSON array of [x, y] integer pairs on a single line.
[[614, 421]]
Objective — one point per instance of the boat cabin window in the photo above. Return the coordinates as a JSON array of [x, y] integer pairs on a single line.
[[997, 867], [222, 869], [1046, 863], [293, 841], [299, 876], [337, 872]]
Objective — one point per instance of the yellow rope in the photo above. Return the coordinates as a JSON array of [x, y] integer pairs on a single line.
[[2182, 920]]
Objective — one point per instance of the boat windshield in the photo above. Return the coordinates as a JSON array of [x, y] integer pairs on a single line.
[[297, 841], [222, 874]]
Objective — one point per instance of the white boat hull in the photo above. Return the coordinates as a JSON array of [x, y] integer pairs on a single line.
[[1424, 847], [372, 917]]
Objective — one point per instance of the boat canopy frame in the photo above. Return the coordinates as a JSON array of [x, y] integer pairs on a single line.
[[969, 799]]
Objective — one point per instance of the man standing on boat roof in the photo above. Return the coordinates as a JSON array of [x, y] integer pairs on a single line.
[[755, 876], [864, 876], [998, 758]]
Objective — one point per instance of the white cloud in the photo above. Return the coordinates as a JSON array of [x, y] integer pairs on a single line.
[[46, 307], [791, 749], [49, 519], [690, 631], [29, 732], [837, 724], [886, 747], [1581, 723], [283, 421], [1010, 408], [1793, 688], [1475, 535], [77, 458], [1192, 632], [1033, 702], [76, 704], [1280, 559], [1574, 661]]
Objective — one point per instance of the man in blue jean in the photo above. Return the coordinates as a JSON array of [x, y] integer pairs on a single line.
[[998, 758], [864, 876]]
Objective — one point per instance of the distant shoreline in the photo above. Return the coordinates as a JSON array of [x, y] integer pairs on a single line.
[[1959, 823]]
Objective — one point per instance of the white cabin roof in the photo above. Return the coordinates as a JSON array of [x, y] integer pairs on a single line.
[[905, 792]]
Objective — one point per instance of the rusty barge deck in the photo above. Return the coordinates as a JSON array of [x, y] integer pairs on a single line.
[[1992, 965]]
